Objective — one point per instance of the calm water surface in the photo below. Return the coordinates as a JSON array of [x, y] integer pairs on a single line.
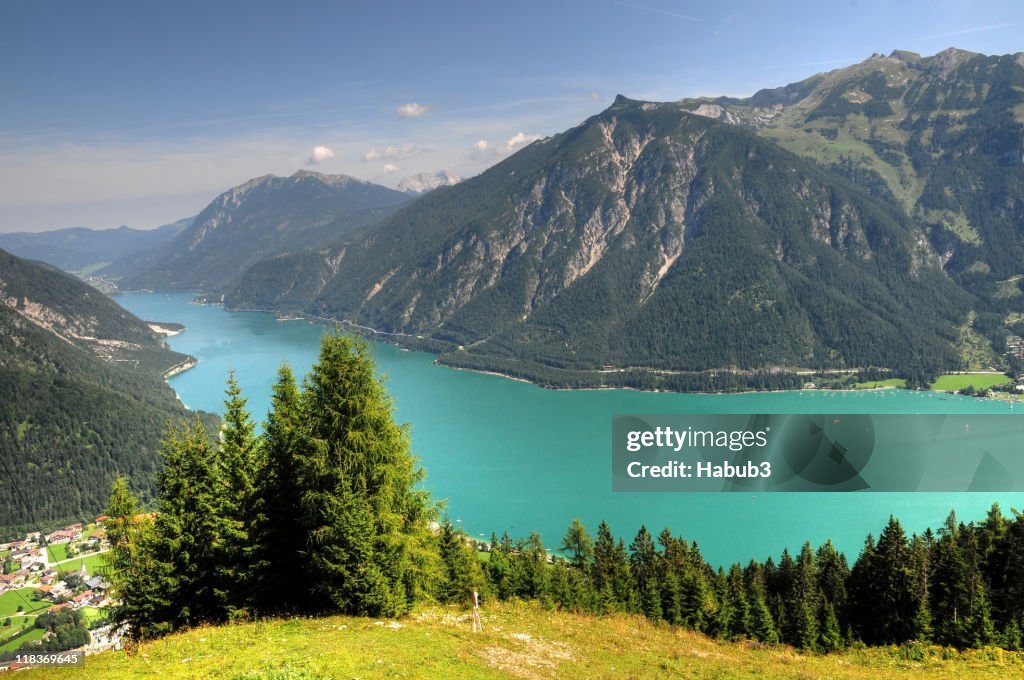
[[507, 455]]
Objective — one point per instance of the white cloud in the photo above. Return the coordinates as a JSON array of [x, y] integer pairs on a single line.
[[390, 168], [517, 140], [393, 153], [320, 154], [483, 151], [412, 110]]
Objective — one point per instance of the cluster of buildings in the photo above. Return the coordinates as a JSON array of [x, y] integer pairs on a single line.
[[58, 585], [28, 562], [63, 596]]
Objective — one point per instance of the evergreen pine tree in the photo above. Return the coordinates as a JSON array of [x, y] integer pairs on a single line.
[[238, 462], [563, 591], [1011, 591], [740, 622], [886, 590], [623, 583], [833, 572], [462, 573], [357, 480], [671, 598], [920, 549], [979, 619], [804, 600], [578, 542], [762, 624], [642, 561], [534, 560], [603, 567], [1012, 637], [722, 612], [121, 527], [497, 569], [277, 542], [190, 531], [698, 601], [831, 639], [136, 580], [950, 600]]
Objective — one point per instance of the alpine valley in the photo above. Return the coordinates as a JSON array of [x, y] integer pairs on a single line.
[[865, 218], [861, 228]]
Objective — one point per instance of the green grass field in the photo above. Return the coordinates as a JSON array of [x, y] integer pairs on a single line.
[[12, 599], [876, 384], [57, 553], [958, 381], [518, 641], [93, 563], [10, 643], [92, 614]]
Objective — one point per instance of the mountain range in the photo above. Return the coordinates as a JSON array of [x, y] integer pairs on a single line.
[[645, 237], [90, 251], [866, 218]]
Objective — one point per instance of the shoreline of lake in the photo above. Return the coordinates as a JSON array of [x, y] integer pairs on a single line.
[[508, 456], [395, 339]]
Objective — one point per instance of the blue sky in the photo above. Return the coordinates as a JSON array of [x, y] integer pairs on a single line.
[[140, 113]]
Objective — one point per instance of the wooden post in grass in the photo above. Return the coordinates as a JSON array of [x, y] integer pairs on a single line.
[[477, 626]]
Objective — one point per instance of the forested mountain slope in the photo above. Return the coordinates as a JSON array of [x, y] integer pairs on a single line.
[[81, 383], [941, 136], [646, 236], [261, 218]]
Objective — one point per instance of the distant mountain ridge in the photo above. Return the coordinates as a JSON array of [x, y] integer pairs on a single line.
[[89, 251], [81, 382], [264, 217], [644, 237], [886, 231], [423, 182]]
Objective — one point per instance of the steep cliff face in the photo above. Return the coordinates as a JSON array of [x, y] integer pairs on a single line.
[[645, 236], [261, 218]]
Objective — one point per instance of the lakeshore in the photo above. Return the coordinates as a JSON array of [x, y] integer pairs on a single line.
[[165, 329], [509, 456]]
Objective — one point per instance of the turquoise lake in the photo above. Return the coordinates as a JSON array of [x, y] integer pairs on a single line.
[[507, 455]]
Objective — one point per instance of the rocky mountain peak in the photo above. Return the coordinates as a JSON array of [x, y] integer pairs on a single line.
[[423, 182], [622, 101], [947, 61], [330, 180], [907, 57]]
